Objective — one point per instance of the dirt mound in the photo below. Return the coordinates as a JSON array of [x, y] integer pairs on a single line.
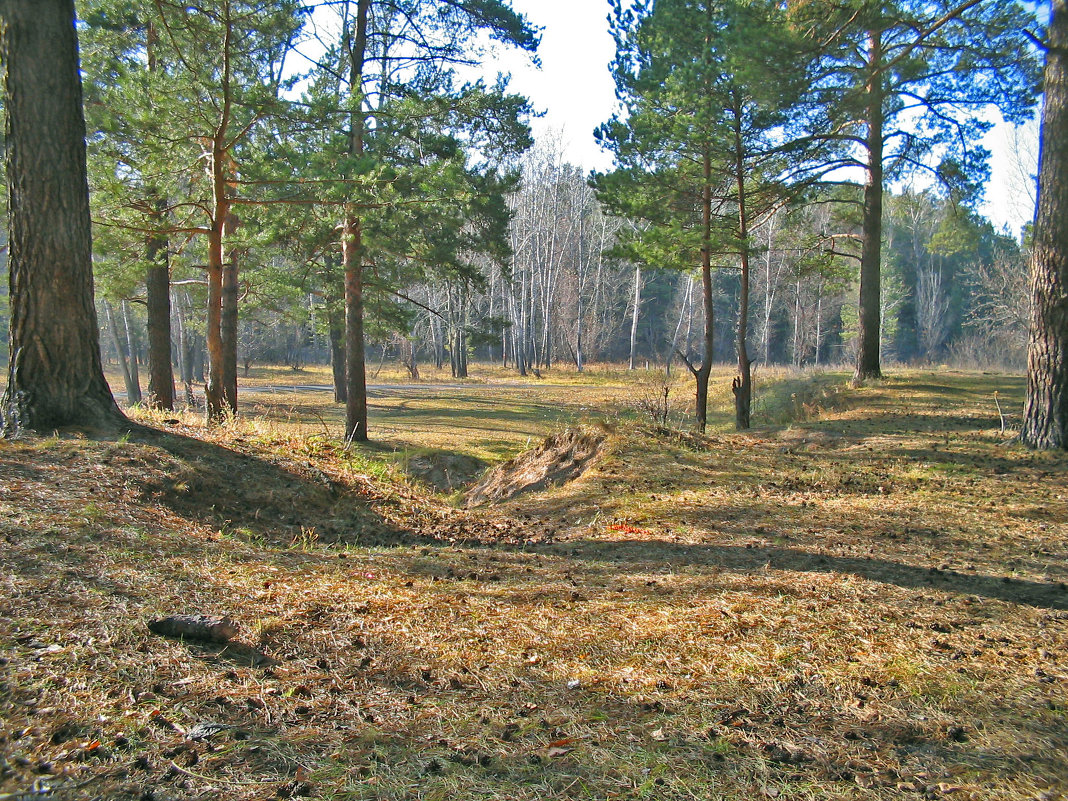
[[561, 458]]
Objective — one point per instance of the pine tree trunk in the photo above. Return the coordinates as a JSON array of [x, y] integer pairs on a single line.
[[355, 359], [55, 376], [1045, 422], [742, 385], [352, 248], [214, 389], [158, 288], [228, 322], [158, 292], [705, 370], [868, 361]]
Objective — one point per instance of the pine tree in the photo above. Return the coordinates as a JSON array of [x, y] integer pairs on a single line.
[[709, 89], [898, 84]]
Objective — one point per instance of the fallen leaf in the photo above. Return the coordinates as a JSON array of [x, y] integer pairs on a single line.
[[658, 735]]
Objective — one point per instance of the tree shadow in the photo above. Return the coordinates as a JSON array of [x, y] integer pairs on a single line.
[[643, 554]]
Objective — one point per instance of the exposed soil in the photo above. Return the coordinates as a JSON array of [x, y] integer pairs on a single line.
[[560, 458]]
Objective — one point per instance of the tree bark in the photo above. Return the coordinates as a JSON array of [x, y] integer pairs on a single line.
[[701, 375], [228, 318], [158, 288], [131, 350], [55, 376], [1045, 422], [742, 385], [868, 361], [634, 317], [158, 292], [216, 389], [352, 249], [120, 353], [337, 353]]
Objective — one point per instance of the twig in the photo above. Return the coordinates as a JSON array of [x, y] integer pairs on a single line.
[[1001, 414]]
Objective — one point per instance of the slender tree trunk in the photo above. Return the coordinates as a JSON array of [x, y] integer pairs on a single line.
[[634, 316], [228, 319], [132, 390], [819, 322], [705, 370], [684, 312], [1045, 422], [55, 376], [336, 322], [868, 363], [521, 361], [580, 313], [214, 389], [798, 354], [352, 248], [185, 356], [742, 386], [131, 349]]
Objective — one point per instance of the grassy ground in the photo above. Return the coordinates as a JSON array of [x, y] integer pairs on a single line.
[[865, 599]]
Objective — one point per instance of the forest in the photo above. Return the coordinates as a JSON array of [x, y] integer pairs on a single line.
[[358, 444]]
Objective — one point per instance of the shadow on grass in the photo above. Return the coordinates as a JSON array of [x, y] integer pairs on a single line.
[[255, 498], [642, 554]]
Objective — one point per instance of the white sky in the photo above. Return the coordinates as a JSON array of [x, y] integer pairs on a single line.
[[573, 88], [576, 92]]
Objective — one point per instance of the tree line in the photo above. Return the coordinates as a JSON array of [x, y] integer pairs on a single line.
[[373, 196]]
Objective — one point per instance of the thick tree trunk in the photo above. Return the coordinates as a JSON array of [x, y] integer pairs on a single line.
[[55, 377], [1045, 422], [158, 288], [868, 361]]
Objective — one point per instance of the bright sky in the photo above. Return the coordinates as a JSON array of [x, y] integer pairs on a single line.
[[576, 92], [573, 87]]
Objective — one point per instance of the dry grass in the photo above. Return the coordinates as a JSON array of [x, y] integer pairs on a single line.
[[868, 602]]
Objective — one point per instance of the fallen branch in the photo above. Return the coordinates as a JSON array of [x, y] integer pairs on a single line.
[[194, 627]]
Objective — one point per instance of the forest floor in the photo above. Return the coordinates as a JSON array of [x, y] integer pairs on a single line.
[[865, 598]]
